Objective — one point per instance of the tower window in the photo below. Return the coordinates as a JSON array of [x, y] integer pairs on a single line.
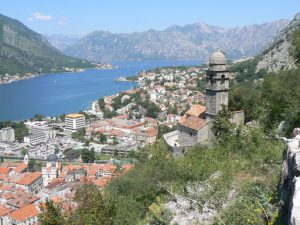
[[223, 79], [211, 79]]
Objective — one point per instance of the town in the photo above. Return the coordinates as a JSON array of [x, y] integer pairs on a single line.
[[56, 155]]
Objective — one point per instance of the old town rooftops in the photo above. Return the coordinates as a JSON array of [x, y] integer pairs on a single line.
[[24, 213], [29, 178], [192, 122], [196, 110]]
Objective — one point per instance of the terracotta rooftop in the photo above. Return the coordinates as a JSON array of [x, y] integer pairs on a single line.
[[4, 170], [196, 110], [193, 122], [29, 178], [3, 210], [21, 168], [24, 213]]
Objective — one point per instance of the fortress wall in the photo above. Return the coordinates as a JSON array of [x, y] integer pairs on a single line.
[[290, 180]]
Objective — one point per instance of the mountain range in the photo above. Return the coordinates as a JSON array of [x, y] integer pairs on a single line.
[[25, 51], [194, 41]]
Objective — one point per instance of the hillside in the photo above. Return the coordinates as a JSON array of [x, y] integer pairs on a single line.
[[278, 55], [195, 41], [23, 50]]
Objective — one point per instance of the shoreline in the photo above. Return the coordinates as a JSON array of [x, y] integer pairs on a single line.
[[16, 78]]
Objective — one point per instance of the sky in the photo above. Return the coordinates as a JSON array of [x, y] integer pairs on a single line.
[[124, 16]]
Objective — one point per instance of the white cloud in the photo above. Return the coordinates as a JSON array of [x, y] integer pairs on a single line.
[[40, 16]]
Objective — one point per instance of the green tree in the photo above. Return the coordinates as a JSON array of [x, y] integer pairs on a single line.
[[51, 214], [38, 117], [24, 152], [31, 165], [93, 208], [221, 123], [88, 156], [102, 138]]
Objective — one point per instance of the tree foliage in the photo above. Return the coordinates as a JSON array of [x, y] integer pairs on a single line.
[[51, 214]]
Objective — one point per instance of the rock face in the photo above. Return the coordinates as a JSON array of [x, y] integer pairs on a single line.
[[195, 41], [278, 54], [61, 41], [187, 211], [290, 186]]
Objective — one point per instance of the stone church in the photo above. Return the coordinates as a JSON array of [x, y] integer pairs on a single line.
[[195, 125]]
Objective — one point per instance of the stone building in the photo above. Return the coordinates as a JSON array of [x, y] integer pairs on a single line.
[[195, 125]]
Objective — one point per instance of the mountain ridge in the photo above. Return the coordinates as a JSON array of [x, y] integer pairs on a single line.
[[22, 51], [192, 41]]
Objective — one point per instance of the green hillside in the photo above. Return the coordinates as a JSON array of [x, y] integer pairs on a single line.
[[23, 50]]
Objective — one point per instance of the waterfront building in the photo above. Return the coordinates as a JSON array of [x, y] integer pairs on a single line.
[[35, 139], [38, 127], [75, 121], [7, 135]]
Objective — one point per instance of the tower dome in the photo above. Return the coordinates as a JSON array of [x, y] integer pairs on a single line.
[[52, 158], [217, 58]]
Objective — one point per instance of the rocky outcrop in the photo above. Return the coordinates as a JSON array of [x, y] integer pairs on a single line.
[[189, 209], [290, 186], [277, 56]]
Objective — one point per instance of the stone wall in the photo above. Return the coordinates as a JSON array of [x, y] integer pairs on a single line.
[[290, 183], [186, 136], [238, 117]]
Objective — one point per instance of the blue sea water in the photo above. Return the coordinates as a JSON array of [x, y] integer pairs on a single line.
[[55, 94]]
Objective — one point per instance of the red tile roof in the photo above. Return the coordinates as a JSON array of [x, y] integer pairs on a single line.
[[21, 168], [193, 122], [196, 110], [29, 178], [4, 170], [3, 210], [24, 213]]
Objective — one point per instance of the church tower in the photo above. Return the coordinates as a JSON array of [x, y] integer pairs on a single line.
[[217, 84]]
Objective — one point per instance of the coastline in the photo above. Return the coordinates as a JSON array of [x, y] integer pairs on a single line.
[[16, 78]]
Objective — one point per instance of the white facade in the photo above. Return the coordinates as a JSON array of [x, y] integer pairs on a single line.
[[35, 139], [75, 122], [7, 134], [50, 172]]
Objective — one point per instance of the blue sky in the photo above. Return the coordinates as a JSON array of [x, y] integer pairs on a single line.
[[84, 16]]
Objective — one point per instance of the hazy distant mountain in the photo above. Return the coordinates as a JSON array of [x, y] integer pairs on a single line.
[[61, 41], [23, 50], [277, 56], [195, 41]]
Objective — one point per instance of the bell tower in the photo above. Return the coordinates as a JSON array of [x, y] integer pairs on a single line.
[[217, 84]]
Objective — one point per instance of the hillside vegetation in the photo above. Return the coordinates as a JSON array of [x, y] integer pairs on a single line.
[[23, 51], [235, 180]]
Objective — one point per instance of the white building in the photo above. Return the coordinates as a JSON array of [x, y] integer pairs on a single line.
[[75, 121], [7, 134], [35, 139], [38, 127], [52, 169], [26, 215], [31, 182]]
